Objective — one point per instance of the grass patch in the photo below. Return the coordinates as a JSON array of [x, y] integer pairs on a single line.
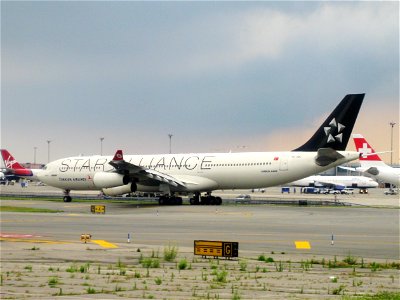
[[5, 208], [150, 262], [220, 276], [170, 252], [53, 281], [182, 264], [378, 296]]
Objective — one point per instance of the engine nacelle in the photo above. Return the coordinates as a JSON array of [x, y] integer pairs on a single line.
[[108, 180], [120, 190]]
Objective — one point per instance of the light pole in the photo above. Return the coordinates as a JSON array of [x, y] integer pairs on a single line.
[[48, 150], [391, 142], [101, 145], [34, 155], [170, 141]]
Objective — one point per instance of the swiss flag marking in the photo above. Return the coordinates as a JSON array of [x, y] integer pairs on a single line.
[[366, 151]]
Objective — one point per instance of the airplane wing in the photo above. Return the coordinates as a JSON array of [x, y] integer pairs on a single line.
[[329, 183], [349, 168], [357, 169], [126, 168]]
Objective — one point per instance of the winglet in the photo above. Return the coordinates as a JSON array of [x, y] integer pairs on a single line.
[[118, 156], [335, 132]]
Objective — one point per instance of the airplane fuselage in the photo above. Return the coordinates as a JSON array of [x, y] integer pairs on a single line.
[[336, 181], [383, 173], [200, 171]]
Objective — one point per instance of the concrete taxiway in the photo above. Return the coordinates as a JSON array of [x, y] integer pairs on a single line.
[[367, 232]]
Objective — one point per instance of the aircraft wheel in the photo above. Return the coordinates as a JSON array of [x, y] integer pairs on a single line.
[[161, 200], [67, 199], [212, 200], [218, 200], [205, 201]]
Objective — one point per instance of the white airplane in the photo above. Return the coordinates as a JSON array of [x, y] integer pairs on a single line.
[[336, 182], [198, 173], [372, 164]]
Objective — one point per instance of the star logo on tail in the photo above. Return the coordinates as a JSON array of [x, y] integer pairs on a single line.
[[334, 131]]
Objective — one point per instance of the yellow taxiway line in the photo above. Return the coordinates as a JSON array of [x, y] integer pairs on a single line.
[[32, 241], [104, 244]]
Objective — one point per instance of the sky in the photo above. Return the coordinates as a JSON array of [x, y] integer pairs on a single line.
[[218, 76]]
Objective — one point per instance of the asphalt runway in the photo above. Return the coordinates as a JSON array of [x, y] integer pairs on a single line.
[[368, 232]]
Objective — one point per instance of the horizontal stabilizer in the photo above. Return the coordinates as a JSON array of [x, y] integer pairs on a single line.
[[373, 171], [326, 156]]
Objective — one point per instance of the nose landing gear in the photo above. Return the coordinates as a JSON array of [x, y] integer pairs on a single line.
[[67, 197]]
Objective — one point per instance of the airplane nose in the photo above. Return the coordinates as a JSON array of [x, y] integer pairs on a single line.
[[374, 183]]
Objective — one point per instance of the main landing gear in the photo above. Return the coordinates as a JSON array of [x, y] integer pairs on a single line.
[[67, 197], [169, 200], [205, 200], [196, 200]]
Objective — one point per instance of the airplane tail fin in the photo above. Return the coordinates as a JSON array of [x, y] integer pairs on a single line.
[[368, 155], [118, 156], [335, 132], [13, 165]]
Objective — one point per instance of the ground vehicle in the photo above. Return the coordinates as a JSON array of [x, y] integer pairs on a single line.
[[310, 190], [347, 191], [390, 192], [243, 197]]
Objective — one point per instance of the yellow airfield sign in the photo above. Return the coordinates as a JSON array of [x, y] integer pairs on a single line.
[[216, 248], [98, 209]]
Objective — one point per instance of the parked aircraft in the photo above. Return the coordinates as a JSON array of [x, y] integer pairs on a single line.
[[336, 182], [372, 164], [13, 167], [204, 172]]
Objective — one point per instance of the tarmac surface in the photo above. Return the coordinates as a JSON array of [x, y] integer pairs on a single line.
[[368, 231]]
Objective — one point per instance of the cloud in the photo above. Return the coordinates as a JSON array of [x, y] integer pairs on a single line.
[[212, 42], [216, 75], [267, 34]]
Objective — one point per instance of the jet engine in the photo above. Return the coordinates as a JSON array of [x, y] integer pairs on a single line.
[[120, 190], [109, 180]]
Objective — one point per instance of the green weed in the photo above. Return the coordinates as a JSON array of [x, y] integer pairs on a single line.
[[170, 253], [53, 281], [182, 265]]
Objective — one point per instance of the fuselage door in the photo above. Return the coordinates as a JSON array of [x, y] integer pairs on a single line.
[[283, 164]]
